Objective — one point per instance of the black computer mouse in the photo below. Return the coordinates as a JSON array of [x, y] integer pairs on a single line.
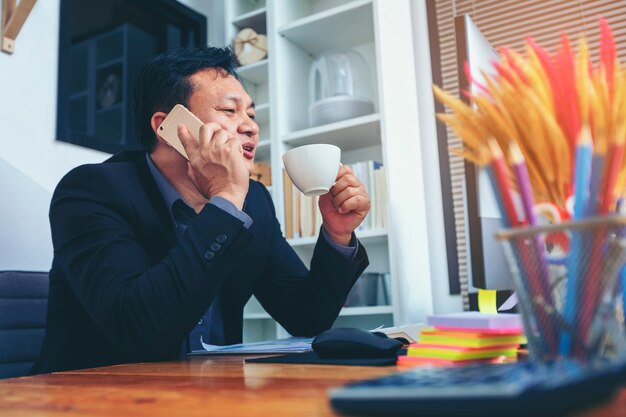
[[349, 342]]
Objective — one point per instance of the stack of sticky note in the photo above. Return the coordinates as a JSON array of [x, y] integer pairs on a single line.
[[466, 338]]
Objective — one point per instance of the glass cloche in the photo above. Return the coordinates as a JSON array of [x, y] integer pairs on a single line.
[[340, 87]]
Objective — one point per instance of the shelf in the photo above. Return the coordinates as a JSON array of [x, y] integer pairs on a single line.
[[341, 27], [372, 236], [82, 94], [109, 63], [262, 114], [263, 144], [257, 316], [254, 20], [368, 310], [256, 73], [263, 150], [366, 236], [116, 107], [349, 134]]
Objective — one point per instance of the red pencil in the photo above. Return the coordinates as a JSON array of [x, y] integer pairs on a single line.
[[504, 186]]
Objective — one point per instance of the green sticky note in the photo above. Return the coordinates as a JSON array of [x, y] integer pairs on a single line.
[[487, 301]]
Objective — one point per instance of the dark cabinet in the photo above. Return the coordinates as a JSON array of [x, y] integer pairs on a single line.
[[103, 72]]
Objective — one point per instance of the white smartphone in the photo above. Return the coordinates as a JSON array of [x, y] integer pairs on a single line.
[[168, 130]]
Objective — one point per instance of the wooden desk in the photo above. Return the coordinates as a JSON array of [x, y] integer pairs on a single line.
[[202, 386]]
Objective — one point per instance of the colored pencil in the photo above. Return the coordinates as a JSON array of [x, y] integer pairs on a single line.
[[523, 182], [537, 272], [581, 181], [502, 185]]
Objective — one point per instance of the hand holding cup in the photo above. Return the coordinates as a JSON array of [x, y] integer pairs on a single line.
[[344, 202]]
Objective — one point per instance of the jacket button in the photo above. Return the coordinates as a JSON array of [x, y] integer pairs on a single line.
[[209, 255], [221, 238], [215, 247]]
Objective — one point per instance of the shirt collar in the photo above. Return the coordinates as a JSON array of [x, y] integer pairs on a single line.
[[169, 193]]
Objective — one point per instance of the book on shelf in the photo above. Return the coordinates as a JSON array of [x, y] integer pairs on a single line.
[[380, 185], [296, 211], [318, 214], [307, 215], [262, 172], [360, 171], [303, 217], [288, 190], [371, 190]]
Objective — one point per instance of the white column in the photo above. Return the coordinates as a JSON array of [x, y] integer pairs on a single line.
[[409, 245]]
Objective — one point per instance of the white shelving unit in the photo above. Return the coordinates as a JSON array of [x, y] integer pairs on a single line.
[[241, 14], [255, 73], [340, 27], [298, 31], [358, 133]]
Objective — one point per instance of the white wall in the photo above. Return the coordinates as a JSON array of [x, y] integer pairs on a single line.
[[24, 238], [31, 161], [31, 157]]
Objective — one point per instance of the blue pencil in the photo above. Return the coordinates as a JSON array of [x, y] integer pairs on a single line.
[[597, 169], [582, 179], [620, 209]]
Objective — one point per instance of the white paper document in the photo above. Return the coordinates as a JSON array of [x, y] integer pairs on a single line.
[[289, 345], [409, 332]]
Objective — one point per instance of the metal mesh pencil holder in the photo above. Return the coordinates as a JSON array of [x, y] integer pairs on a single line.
[[569, 278]]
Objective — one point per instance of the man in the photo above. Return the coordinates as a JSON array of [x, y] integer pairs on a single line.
[[154, 254]]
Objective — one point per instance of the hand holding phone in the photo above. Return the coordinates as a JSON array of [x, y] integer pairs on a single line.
[[168, 130], [219, 170]]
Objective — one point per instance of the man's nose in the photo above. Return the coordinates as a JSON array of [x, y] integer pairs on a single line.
[[248, 126]]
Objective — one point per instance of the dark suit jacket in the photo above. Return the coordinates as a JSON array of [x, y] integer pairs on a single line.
[[124, 289]]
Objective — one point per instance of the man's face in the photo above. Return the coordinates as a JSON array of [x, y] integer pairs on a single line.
[[224, 101]]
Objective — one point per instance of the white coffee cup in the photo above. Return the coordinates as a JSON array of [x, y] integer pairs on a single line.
[[313, 168]]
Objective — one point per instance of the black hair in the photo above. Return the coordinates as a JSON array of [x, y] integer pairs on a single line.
[[164, 82]]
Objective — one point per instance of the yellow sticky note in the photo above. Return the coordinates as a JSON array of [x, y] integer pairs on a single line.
[[487, 301]]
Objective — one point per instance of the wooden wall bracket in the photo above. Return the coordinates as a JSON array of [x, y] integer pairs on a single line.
[[13, 18]]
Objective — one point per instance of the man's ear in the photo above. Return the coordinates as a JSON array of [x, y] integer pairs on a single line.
[[156, 120]]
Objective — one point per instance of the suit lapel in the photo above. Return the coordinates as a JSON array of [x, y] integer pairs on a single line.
[[156, 202]]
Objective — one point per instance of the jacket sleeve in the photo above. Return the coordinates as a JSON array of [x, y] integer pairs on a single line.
[[144, 307], [305, 302]]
